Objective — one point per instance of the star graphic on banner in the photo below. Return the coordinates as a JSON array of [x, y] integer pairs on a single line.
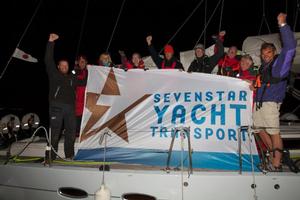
[[117, 124]]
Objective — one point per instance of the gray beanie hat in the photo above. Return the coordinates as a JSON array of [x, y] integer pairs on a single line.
[[199, 46]]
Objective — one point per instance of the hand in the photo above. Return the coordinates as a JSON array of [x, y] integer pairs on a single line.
[[222, 33], [149, 40], [122, 53], [53, 37], [281, 18], [252, 88]]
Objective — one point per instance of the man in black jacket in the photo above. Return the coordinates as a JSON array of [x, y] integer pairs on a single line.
[[61, 100], [169, 61], [203, 63]]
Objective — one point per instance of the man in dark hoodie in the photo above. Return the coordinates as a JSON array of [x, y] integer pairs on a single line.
[[270, 93], [169, 61], [203, 63], [62, 87]]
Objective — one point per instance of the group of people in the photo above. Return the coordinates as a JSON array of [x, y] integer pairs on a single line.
[[66, 92]]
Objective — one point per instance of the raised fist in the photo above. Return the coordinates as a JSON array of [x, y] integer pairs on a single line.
[[122, 53], [281, 18], [222, 33], [53, 37], [149, 39]]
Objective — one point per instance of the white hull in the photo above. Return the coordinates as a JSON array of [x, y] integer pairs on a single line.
[[34, 181]]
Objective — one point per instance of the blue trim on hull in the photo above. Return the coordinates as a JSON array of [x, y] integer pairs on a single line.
[[154, 157]]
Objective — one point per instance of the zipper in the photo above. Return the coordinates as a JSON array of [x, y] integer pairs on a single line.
[[56, 92]]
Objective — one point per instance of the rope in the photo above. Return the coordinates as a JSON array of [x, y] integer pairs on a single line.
[[113, 32], [208, 22], [221, 15], [25, 31], [264, 19], [185, 21], [81, 28]]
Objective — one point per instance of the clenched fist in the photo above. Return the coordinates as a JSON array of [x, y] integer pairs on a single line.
[[281, 18], [149, 40], [53, 37]]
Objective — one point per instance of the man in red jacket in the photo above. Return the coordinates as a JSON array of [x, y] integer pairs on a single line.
[[81, 74]]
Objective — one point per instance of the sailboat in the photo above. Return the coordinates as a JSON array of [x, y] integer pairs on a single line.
[[153, 144]]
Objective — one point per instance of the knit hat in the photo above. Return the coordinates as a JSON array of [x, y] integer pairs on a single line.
[[199, 46], [168, 49]]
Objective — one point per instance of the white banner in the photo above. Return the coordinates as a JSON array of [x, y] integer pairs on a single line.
[[141, 110]]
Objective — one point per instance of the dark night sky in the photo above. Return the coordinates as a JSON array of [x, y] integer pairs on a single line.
[[25, 85]]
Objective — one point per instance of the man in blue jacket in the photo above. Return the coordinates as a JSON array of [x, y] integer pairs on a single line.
[[273, 77]]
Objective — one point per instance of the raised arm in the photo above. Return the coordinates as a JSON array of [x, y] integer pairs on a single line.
[[49, 55], [283, 63], [124, 59], [154, 55], [219, 52]]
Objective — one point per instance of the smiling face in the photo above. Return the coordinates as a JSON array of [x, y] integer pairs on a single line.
[[63, 66], [245, 63], [82, 62], [232, 51], [268, 54], [199, 52], [168, 55], [136, 58]]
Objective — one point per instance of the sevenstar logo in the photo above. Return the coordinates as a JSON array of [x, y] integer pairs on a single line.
[[116, 124]]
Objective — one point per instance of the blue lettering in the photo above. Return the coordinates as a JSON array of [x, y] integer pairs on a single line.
[[180, 115], [177, 96], [198, 96], [215, 113], [153, 130], [244, 133], [231, 96], [243, 95], [167, 98], [160, 113], [197, 134], [220, 134], [194, 112], [209, 96], [220, 93], [208, 132], [232, 134], [163, 132], [187, 97], [156, 98], [237, 108]]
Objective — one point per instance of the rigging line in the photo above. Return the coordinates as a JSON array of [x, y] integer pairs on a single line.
[[113, 32], [81, 28], [296, 15], [185, 21], [205, 19], [264, 19], [208, 22], [22, 36], [221, 16]]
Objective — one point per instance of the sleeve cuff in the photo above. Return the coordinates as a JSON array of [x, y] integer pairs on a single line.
[[282, 25]]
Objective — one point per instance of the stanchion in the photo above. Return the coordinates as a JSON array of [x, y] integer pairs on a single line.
[[184, 133]]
